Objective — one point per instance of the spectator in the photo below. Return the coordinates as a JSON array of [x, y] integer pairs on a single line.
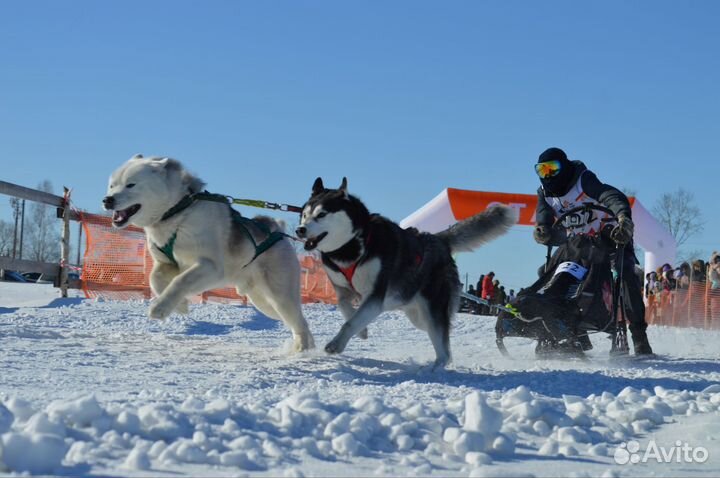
[[478, 286], [502, 296], [488, 290], [682, 276], [650, 283], [668, 281], [715, 270], [697, 274], [511, 296]]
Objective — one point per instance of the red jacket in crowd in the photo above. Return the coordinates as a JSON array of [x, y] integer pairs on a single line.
[[488, 289]]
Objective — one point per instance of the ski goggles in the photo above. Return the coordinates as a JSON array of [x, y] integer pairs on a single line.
[[548, 169]]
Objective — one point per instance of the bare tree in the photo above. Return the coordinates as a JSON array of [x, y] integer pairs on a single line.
[[7, 232], [677, 211], [43, 230]]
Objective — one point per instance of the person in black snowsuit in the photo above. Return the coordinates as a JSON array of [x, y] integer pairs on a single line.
[[567, 184]]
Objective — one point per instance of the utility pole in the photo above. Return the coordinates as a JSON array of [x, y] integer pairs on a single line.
[[15, 204], [79, 246], [22, 227]]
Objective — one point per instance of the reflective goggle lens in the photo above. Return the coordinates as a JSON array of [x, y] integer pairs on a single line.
[[547, 169]]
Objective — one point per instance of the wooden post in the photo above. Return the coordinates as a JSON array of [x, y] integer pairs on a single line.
[[65, 245]]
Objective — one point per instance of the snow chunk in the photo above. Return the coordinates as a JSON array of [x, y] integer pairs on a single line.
[[6, 419], [481, 417], [476, 458], [21, 409], [36, 453], [164, 423], [370, 405], [469, 441], [138, 459], [346, 444], [516, 397], [41, 423], [81, 411]]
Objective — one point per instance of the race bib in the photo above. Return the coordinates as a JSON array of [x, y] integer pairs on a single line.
[[576, 270]]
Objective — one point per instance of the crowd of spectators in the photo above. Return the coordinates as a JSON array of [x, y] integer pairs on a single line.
[[492, 292], [668, 289]]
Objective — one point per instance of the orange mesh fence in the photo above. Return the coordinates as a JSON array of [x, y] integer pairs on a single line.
[[117, 266], [697, 306]]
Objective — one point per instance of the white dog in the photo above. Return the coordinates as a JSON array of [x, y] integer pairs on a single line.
[[198, 242]]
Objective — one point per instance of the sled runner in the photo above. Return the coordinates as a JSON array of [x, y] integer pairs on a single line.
[[575, 295]]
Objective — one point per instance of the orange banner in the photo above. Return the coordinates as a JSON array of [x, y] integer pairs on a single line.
[[465, 203]]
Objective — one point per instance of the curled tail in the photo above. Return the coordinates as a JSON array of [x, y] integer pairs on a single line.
[[473, 232]]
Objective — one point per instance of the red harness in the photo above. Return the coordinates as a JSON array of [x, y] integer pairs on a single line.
[[349, 271]]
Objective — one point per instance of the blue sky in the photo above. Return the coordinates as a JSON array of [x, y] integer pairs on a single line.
[[405, 98]]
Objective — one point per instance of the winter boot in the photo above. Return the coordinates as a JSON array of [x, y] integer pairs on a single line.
[[585, 342], [641, 344]]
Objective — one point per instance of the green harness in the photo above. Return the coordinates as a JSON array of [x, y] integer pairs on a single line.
[[272, 236]]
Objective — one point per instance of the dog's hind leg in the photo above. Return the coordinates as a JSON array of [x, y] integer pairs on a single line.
[[283, 309], [276, 292], [437, 325], [365, 314], [160, 277]]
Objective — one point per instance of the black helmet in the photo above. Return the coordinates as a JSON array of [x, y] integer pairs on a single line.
[[558, 183]]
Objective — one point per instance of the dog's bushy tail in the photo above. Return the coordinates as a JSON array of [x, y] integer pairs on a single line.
[[473, 232], [271, 223]]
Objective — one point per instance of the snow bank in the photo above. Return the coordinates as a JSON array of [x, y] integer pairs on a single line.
[[218, 394], [482, 428]]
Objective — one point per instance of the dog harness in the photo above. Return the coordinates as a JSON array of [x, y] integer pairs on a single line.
[[349, 271], [187, 201]]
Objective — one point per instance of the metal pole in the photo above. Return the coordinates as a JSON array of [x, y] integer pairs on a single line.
[[16, 212], [80, 232], [22, 227], [65, 244]]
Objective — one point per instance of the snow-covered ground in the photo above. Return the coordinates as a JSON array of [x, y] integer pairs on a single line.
[[92, 388]]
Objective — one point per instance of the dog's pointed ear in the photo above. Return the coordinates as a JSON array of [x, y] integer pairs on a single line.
[[318, 186], [343, 186], [169, 164]]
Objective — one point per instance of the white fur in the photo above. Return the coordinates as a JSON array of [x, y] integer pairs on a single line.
[[205, 256], [338, 227]]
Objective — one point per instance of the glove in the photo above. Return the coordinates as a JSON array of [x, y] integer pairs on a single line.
[[622, 233], [542, 234]]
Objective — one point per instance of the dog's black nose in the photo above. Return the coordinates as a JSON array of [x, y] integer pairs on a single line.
[[301, 231], [109, 202]]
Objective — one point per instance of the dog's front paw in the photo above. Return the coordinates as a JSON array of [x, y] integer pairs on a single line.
[[183, 307], [303, 342], [335, 346], [159, 309]]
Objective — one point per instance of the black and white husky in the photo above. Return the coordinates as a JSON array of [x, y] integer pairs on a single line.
[[372, 259]]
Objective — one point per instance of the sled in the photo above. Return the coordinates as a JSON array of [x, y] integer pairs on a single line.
[[575, 296]]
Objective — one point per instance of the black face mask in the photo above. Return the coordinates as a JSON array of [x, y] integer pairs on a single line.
[[559, 184]]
